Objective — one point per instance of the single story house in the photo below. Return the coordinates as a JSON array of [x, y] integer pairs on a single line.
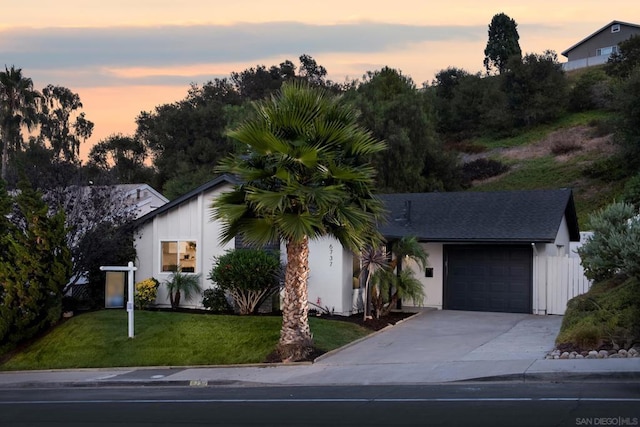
[[596, 48], [484, 249]]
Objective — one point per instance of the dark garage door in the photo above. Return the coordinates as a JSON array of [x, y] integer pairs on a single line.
[[488, 278]]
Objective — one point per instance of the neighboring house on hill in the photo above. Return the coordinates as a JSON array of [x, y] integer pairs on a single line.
[[598, 47], [141, 197], [487, 251]]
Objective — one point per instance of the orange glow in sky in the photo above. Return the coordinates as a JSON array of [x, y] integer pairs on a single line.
[[124, 57]]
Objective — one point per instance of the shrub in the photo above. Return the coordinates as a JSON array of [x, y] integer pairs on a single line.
[[614, 248], [146, 292], [483, 169], [248, 275], [180, 283], [631, 192], [565, 147], [215, 299]]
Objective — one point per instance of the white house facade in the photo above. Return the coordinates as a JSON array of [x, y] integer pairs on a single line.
[[487, 251]]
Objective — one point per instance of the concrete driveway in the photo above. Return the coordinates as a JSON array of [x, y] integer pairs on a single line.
[[436, 346], [443, 335]]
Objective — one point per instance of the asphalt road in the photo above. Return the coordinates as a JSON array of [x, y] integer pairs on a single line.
[[462, 404]]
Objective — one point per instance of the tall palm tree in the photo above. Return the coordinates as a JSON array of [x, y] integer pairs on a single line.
[[18, 107], [305, 175]]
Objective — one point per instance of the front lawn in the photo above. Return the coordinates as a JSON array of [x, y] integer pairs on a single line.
[[99, 339]]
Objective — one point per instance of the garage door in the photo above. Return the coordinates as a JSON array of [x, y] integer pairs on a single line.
[[488, 278]]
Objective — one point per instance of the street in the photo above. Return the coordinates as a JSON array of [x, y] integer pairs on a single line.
[[468, 404]]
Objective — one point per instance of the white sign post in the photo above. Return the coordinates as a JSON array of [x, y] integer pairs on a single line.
[[129, 269]]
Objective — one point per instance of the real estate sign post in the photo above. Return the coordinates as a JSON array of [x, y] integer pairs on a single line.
[[130, 271]]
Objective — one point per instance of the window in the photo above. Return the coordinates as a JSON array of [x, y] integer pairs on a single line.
[[178, 254], [615, 28], [607, 50]]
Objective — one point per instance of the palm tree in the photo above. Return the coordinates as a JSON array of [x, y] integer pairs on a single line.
[[18, 107], [305, 175], [399, 283], [179, 284]]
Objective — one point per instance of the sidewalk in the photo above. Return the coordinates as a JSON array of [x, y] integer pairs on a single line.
[[431, 347]]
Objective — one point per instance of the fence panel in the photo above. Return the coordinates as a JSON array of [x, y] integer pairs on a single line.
[[565, 280]]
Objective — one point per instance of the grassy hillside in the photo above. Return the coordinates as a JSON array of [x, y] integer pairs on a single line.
[[575, 152]]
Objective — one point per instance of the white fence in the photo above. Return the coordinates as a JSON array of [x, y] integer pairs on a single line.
[[565, 279]]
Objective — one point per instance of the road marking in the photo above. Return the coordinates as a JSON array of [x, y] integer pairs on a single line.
[[328, 400]]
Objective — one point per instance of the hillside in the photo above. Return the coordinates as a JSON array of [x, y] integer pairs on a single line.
[[576, 152]]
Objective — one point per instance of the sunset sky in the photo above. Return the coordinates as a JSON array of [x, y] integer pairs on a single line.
[[124, 57]]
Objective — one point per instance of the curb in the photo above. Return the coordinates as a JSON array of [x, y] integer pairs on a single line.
[[560, 377]]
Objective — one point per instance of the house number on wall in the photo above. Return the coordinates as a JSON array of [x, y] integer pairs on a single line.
[[330, 255]]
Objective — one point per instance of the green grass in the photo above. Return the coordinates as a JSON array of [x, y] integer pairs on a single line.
[[99, 339], [537, 133], [547, 173]]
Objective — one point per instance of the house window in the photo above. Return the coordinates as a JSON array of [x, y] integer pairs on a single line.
[[178, 253], [615, 28], [607, 50]]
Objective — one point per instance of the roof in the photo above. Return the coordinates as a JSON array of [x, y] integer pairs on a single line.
[[505, 216], [566, 51], [222, 179], [131, 188]]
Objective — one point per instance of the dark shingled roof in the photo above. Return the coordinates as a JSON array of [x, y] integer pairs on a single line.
[[504, 216]]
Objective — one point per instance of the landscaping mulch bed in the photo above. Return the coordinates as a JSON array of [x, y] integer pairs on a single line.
[[373, 324]]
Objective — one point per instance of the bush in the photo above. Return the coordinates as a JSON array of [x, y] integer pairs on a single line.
[[591, 91], [146, 292], [215, 299], [614, 248], [179, 284], [248, 275], [483, 169], [631, 192], [565, 147], [608, 316]]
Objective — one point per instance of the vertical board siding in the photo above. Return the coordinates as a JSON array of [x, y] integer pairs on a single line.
[[565, 280]]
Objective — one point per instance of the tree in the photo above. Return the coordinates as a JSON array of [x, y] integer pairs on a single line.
[[396, 112], [502, 44], [34, 267], [305, 174], [61, 124], [627, 105], [123, 157], [18, 107], [181, 284], [623, 62], [185, 139], [536, 89], [97, 217], [394, 282]]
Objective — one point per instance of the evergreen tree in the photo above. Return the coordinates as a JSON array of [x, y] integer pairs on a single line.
[[502, 44], [34, 268]]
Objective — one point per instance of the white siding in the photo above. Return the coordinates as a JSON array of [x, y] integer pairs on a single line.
[[188, 221], [330, 276], [433, 286]]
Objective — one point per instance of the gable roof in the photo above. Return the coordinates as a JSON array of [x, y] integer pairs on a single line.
[[221, 180], [566, 51], [503, 216]]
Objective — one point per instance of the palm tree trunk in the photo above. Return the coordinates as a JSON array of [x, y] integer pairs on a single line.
[[296, 342], [5, 151]]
